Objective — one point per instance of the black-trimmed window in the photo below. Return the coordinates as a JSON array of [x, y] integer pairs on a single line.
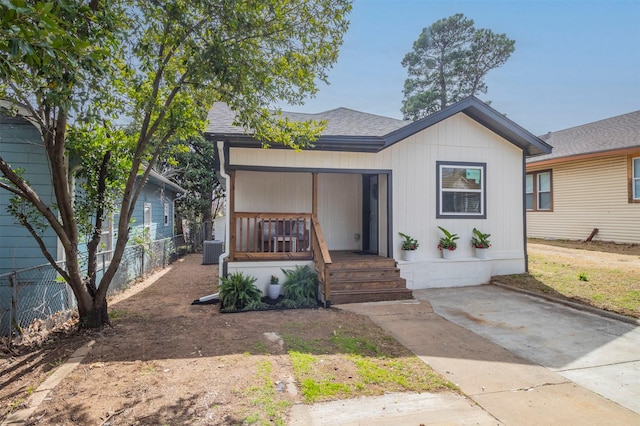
[[461, 190], [539, 195]]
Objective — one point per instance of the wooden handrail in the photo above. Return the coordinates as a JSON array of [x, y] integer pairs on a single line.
[[321, 258]]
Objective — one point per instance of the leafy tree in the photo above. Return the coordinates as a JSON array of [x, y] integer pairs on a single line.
[[193, 168], [75, 66], [448, 63]]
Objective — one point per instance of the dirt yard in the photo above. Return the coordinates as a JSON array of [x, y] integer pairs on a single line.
[[166, 361]]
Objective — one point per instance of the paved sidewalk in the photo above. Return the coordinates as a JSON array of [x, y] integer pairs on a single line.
[[509, 387]]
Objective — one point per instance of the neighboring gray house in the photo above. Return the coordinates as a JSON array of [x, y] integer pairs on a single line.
[[21, 146], [590, 181]]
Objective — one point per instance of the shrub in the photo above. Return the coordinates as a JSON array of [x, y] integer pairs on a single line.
[[300, 284], [237, 292]]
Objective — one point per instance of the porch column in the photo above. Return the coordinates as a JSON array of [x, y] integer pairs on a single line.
[[231, 197], [314, 205], [314, 195]]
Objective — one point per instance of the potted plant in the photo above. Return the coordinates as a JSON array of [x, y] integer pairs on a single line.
[[481, 243], [447, 243], [409, 246], [274, 288]]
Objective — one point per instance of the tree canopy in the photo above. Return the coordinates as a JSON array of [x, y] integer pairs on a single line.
[[448, 63], [77, 67]]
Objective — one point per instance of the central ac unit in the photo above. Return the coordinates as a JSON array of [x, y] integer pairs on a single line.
[[211, 251]]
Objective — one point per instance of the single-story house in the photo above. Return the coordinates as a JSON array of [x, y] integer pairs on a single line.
[[21, 146], [342, 204], [590, 181]]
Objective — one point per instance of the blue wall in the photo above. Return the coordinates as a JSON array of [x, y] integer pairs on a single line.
[[21, 146]]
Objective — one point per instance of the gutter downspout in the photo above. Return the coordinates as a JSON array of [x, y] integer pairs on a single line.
[[524, 210], [222, 271]]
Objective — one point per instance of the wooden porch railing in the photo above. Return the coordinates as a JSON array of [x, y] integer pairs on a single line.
[[322, 259], [270, 236]]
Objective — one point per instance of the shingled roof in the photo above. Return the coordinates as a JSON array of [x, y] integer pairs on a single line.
[[611, 134], [340, 121], [349, 130]]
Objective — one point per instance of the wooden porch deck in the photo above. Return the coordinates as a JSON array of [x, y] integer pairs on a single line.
[[361, 277]]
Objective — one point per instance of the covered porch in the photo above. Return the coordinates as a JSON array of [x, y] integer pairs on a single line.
[[334, 220]]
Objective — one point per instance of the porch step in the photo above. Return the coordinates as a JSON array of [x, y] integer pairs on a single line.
[[357, 278], [362, 262], [378, 283], [339, 297], [357, 274]]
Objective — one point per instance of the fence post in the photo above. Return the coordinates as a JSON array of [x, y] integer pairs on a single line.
[[14, 305], [142, 250], [164, 253]]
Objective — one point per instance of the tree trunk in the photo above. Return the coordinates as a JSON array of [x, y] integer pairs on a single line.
[[93, 316]]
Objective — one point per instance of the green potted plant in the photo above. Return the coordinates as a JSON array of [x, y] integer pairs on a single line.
[[447, 243], [274, 288], [409, 246], [481, 243]]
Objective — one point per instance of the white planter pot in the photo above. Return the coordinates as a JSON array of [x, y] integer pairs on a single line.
[[274, 291], [447, 254], [482, 253], [409, 255]]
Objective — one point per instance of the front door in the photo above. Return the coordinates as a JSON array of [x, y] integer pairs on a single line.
[[370, 213]]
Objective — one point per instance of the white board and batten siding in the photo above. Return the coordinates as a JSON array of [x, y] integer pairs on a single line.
[[588, 194], [412, 163]]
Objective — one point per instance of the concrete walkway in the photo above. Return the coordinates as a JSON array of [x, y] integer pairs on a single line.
[[523, 360]]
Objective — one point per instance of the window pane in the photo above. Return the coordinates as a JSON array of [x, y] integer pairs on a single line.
[[544, 182], [461, 178], [529, 184], [636, 190], [147, 214], [544, 201], [461, 202], [636, 167], [529, 198]]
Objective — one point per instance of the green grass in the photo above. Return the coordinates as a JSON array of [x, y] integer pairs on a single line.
[[350, 366], [354, 344], [616, 289], [265, 408]]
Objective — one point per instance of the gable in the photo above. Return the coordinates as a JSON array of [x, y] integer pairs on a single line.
[[335, 139]]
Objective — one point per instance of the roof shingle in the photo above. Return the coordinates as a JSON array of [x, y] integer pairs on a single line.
[[340, 122], [622, 131]]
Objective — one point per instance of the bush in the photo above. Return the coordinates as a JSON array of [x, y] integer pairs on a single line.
[[301, 285], [237, 292]]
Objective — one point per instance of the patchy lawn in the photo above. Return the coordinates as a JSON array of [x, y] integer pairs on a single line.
[[599, 274], [166, 361]]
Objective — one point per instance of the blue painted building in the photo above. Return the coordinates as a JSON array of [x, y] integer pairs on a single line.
[[21, 146]]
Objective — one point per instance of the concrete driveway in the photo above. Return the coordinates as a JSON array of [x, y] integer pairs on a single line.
[[598, 353], [521, 359]]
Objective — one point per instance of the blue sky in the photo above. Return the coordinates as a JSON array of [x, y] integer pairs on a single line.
[[576, 61]]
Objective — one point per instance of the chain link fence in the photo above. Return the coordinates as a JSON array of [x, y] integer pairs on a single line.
[[39, 294]]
